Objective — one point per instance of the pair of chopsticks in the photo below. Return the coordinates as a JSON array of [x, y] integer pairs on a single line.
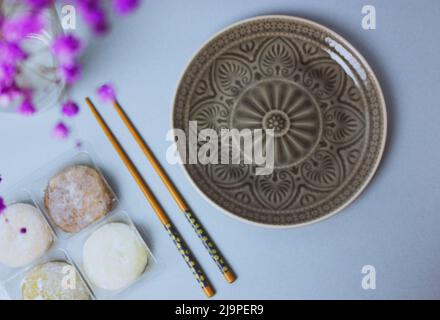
[[181, 246]]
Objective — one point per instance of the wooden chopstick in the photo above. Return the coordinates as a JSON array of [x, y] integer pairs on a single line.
[[164, 219], [210, 246]]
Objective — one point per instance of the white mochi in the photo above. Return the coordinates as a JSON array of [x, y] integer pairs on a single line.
[[24, 235], [114, 256]]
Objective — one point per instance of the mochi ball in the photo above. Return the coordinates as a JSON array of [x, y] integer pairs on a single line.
[[114, 256], [24, 235], [55, 280], [77, 197]]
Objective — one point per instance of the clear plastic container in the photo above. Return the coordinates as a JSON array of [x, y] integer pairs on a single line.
[[66, 246], [76, 245], [14, 196], [38, 186], [13, 285]]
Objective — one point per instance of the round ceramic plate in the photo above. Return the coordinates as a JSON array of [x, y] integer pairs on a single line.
[[317, 94]]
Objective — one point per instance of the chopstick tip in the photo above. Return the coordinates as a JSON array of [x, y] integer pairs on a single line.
[[209, 291], [230, 276]]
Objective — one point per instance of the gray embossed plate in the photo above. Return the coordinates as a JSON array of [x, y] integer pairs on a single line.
[[314, 90]]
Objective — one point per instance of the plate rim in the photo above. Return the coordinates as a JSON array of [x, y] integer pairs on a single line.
[[374, 80]]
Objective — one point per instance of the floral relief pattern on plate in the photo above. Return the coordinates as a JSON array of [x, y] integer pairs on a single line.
[[314, 91]]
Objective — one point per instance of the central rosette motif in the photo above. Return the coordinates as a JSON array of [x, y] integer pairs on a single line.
[[286, 108], [278, 121]]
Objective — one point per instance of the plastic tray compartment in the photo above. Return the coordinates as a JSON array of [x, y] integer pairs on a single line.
[[75, 248], [13, 286], [38, 187], [19, 195]]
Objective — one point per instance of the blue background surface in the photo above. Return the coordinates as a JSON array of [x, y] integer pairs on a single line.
[[394, 225]]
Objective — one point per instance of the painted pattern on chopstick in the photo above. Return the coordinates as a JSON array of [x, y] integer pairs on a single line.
[[209, 245], [187, 256]]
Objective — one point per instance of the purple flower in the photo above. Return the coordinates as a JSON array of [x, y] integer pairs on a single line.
[[123, 7], [26, 108], [70, 108], [100, 25], [8, 93], [66, 47], [25, 24], [71, 72], [7, 74], [60, 131], [2, 205], [94, 15], [23, 230], [39, 4], [18, 28], [11, 53], [106, 93]]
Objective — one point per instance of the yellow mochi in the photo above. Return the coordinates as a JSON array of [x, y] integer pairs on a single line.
[[54, 281]]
